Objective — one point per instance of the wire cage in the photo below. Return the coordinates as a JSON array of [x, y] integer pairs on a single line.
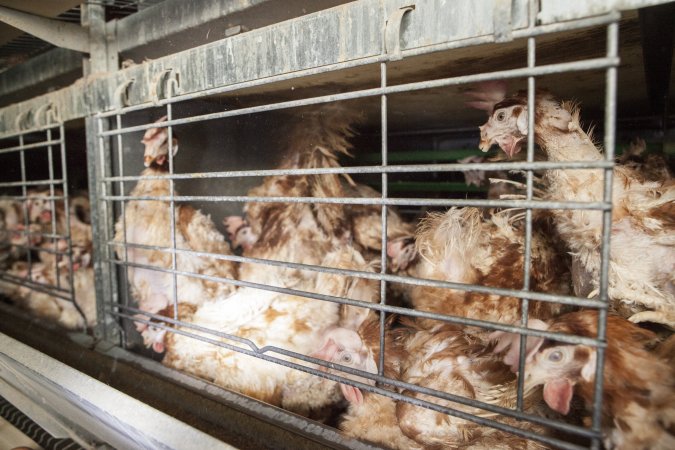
[[36, 159], [233, 133], [114, 196]]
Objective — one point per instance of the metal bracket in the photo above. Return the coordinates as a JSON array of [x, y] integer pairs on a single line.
[[42, 110], [164, 85], [56, 32], [121, 97], [50, 113], [502, 20], [392, 32]]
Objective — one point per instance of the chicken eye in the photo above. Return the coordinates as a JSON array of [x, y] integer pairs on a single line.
[[501, 115], [346, 358], [555, 356]]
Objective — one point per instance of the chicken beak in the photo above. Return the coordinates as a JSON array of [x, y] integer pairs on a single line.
[[485, 142], [148, 161], [484, 145]]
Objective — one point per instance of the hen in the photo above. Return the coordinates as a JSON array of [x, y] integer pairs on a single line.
[[42, 210], [447, 359], [11, 217], [462, 246], [642, 256], [57, 309], [289, 322], [148, 222], [638, 408], [365, 224], [652, 166], [444, 359], [305, 233], [369, 417]]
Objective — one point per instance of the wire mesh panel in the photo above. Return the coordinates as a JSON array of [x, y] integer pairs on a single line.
[[46, 240], [337, 293]]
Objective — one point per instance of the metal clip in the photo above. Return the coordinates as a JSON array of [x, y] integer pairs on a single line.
[[392, 32], [39, 112], [53, 112], [122, 94], [502, 18], [50, 113], [165, 84]]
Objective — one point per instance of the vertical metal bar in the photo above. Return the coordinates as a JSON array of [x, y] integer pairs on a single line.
[[172, 203], [383, 253], [50, 163], [527, 254], [105, 281], [610, 130], [120, 162], [24, 192], [100, 60]]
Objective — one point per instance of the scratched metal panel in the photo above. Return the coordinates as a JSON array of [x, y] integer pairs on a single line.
[[555, 11], [437, 21], [340, 34]]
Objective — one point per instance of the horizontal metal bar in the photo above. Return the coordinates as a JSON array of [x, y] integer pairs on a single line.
[[539, 296], [31, 183], [479, 203], [41, 249], [25, 232], [40, 71], [36, 129], [589, 64], [31, 146], [375, 59], [570, 339], [517, 34], [64, 294], [30, 197], [261, 354], [354, 170]]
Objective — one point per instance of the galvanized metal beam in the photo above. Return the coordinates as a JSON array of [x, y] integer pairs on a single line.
[[144, 34], [172, 16], [53, 69], [56, 32], [556, 11]]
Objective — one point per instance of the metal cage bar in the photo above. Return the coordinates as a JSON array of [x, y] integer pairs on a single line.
[[53, 234], [585, 65]]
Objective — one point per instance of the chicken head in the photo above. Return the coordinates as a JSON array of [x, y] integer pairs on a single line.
[[559, 368], [239, 232], [157, 145], [345, 347], [507, 127], [556, 366], [40, 209], [507, 123], [153, 337], [402, 253]]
